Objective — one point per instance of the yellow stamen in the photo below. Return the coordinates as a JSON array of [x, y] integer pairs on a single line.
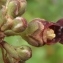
[[50, 34]]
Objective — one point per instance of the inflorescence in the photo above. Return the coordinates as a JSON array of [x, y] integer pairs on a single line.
[[37, 33]]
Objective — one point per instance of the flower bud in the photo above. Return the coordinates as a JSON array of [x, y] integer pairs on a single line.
[[20, 53], [15, 7], [34, 32], [9, 59], [19, 24], [24, 52]]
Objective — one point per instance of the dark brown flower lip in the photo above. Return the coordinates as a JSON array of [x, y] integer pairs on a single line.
[[55, 27], [60, 22]]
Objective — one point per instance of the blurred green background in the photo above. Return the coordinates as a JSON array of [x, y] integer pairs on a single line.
[[51, 10]]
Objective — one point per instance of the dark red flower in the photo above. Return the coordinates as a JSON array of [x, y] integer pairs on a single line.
[[40, 32]]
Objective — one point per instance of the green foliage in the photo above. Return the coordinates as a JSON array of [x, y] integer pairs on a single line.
[[50, 10]]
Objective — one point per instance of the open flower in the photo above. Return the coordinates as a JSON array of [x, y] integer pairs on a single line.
[[40, 32]]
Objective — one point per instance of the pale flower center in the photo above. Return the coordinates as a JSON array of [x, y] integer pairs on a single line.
[[50, 34]]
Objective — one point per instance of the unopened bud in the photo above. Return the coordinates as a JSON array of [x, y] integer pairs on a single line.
[[18, 53], [24, 52], [19, 24], [34, 32], [15, 7]]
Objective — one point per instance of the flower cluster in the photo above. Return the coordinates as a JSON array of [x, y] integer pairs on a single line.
[[37, 33], [11, 23]]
